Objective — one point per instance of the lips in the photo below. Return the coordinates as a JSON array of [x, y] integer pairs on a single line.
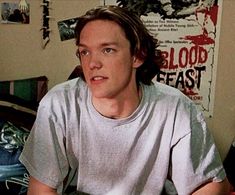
[[98, 78]]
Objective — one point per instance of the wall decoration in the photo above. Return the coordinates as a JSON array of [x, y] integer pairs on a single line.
[[66, 28], [12, 13], [23, 6], [45, 26], [188, 31]]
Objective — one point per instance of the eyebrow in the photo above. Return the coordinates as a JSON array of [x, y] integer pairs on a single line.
[[102, 45]]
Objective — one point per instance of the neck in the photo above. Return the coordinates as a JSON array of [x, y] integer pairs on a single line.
[[120, 107]]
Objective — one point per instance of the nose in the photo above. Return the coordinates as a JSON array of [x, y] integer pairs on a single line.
[[95, 61]]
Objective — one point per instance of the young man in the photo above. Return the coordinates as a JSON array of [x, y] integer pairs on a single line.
[[119, 131]]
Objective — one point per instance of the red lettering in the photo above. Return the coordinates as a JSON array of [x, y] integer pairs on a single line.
[[203, 55], [165, 55], [193, 55], [172, 57], [183, 57], [186, 57]]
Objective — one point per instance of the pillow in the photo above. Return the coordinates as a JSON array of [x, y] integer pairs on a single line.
[[30, 89], [17, 111]]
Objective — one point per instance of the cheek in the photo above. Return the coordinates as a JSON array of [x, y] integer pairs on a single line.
[[122, 70], [83, 62], [85, 70]]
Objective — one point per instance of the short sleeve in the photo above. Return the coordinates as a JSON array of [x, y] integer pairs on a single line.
[[44, 153], [195, 158]]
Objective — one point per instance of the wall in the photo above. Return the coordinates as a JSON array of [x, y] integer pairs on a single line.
[[22, 56], [21, 52], [223, 122]]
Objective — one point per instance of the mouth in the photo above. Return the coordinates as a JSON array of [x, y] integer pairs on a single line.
[[98, 78]]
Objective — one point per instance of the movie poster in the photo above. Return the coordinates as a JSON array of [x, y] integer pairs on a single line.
[[188, 31]]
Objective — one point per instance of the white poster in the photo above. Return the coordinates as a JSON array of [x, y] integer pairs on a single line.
[[188, 31]]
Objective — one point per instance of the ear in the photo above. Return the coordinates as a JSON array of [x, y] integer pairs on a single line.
[[137, 62]]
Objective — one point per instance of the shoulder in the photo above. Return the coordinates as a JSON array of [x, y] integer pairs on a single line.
[[68, 91], [176, 106], [167, 95], [69, 86], [183, 104]]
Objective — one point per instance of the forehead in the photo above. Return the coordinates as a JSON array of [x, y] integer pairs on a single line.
[[102, 30]]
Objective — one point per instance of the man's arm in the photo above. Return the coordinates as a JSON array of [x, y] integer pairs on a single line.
[[214, 188], [38, 188]]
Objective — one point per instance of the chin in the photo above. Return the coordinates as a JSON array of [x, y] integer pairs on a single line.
[[98, 94]]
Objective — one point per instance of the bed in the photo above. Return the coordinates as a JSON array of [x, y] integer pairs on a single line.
[[19, 100]]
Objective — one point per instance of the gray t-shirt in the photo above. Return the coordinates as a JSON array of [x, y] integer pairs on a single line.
[[166, 137]]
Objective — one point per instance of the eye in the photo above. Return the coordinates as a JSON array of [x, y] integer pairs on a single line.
[[108, 50], [83, 52]]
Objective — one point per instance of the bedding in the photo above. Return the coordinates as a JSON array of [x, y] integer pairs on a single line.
[[13, 175], [19, 100]]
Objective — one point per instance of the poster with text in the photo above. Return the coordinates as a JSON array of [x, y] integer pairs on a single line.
[[188, 31]]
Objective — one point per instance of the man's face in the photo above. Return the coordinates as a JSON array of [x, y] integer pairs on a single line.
[[108, 66]]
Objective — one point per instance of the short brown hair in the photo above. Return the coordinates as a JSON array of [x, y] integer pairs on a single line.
[[143, 44]]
